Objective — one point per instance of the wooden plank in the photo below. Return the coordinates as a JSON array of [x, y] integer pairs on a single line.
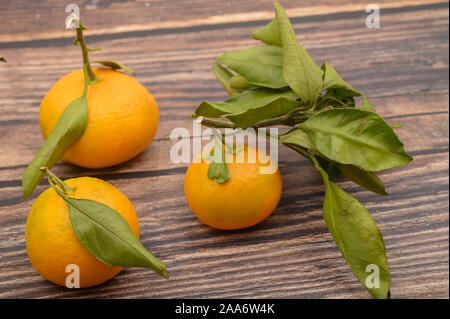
[[20, 19], [402, 67]]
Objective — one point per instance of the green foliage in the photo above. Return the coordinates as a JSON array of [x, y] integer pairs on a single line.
[[279, 84], [67, 131], [250, 107], [357, 137], [299, 70], [260, 65], [269, 34], [105, 233]]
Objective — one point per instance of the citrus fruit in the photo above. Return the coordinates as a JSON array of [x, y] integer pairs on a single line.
[[51, 242], [122, 117], [246, 199]]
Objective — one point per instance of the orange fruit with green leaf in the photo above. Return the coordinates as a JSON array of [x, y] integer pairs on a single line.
[[51, 240], [323, 118], [85, 222], [93, 117], [249, 196], [122, 117]]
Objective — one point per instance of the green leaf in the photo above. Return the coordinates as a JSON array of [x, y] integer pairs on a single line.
[[330, 167], [332, 80], [116, 66], [107, 236], [363, 178], [219, 172], [299, 138], [218, 168], [355, 233], [250, 107], [299, 70], [261, 65], [224, 76], [69, 128], [269, 34], [366, 105], [357, 137]]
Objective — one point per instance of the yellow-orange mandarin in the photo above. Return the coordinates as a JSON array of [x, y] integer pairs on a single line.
[[51, 242], [246, 199], [122, 118]]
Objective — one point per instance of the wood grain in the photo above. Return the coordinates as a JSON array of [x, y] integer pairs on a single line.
[[402, 67]]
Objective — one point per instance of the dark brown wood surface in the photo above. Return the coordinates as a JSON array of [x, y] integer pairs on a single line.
[[403, 68]]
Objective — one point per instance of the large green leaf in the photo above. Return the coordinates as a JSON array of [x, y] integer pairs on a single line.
[[261, 65], [298, 137], [330, 167], [301, 73], [363, 178], [333, 81], [224, 76], [269, 34], [69, 128], [66, 132], [107, 236], [250, 107], [357, 137], [356, 235]]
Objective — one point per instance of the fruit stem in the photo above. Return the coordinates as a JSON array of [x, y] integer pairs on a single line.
[[52, 178], [85, 51]]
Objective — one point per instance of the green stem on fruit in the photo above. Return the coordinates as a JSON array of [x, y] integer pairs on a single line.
[[53, 179], [93, 78]]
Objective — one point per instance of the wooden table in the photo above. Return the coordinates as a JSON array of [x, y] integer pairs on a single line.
[[402, 67]]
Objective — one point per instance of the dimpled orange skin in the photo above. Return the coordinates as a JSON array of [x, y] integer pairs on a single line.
[[246, 199], [122, 117], [50, 239]]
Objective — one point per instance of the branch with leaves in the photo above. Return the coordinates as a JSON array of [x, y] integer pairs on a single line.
[[278, 83]]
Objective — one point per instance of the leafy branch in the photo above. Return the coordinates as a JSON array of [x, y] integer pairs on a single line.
[[279, 84]]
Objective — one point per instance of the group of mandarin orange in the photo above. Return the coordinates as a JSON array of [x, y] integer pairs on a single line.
[[121, 121]]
